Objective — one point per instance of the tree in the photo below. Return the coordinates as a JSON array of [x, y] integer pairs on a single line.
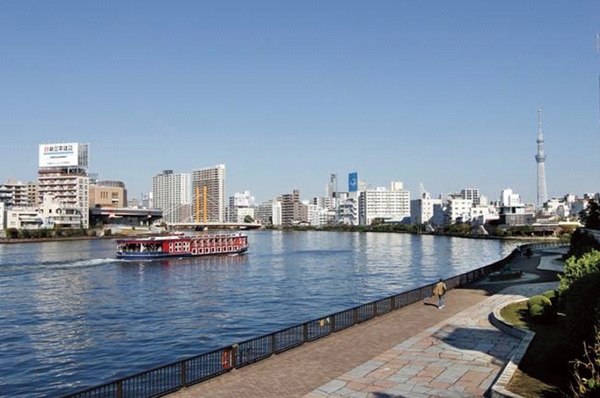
[[590, 216], [248, 219]]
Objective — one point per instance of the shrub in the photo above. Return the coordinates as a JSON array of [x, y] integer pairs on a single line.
[[553, 296], [581, 305], [538, 300], [576, 268], [581, 243], [541, 310]]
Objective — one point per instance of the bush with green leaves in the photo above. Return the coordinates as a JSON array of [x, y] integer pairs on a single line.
[[581, 243], [553, 296], [541, 310], [577, 268], [582, 303]]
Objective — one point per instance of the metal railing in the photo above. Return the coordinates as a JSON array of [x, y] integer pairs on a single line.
[[174, 376]]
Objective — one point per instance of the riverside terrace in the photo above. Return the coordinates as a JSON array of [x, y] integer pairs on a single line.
[[340, 363]]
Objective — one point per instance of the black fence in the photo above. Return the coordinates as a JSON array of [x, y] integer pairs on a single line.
[[174, 376]]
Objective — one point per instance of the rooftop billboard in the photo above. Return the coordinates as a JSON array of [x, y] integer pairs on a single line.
[[63, 155], [353, 182]]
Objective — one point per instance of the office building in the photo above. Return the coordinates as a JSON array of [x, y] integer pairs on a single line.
[[171, 193], [208, 194], [63, 176], [108, 194]]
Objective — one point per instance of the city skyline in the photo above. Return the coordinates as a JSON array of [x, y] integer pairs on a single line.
[[443, 94]]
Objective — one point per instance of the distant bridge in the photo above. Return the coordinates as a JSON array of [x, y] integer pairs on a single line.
[[212, 225]]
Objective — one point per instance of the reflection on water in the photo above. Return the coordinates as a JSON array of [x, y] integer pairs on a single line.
[[72, 316]]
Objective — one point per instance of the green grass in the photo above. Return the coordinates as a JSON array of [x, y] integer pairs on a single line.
[[544, 371]]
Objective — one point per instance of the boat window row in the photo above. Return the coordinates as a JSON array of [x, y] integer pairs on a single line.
[[176, 247]]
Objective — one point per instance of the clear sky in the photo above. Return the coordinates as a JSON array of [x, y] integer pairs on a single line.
[[443, 93]]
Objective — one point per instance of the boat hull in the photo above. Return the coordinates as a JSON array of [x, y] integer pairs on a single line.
[[159, 256], [180, 246]]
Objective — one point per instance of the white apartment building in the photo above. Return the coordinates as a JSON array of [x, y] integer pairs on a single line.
[[510, 199], [319, 216], [239, 202], [277, 213], [482, 214], [52, 212], [269, 213], [422, 211], [458, 209], [171, 193], [19, 194], [471, 194], [2, 219], [347, 212], [208, 194], [380, 203], [243, 212], [63, 175]]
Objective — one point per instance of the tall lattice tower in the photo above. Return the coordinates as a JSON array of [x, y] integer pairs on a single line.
[[540, 158]]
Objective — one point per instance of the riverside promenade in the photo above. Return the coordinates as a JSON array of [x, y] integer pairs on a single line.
[[416, 351]]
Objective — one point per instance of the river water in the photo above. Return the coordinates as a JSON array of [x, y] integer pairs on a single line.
[[71, 316]]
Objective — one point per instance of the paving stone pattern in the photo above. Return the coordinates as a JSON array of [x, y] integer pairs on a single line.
[[416, 351]]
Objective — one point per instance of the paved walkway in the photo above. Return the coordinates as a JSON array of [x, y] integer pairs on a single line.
[[417, 351]]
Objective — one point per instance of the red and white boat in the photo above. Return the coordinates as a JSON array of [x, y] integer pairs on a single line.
[[181, 246]]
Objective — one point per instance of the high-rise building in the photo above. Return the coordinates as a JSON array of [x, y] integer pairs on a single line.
[[171, 193], [540, 158], [63, 175], [383, 204], [293, 211], [332, 186], [208, 193]]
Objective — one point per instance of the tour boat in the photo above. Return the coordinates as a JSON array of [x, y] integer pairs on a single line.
[[181, 246]]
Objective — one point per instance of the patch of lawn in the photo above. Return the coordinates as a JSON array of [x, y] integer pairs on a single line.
[[544, 371]]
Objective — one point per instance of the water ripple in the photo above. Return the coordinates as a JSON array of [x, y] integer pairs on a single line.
[[72, 316]]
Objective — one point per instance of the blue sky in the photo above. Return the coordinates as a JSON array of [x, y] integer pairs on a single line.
[[443, 93]]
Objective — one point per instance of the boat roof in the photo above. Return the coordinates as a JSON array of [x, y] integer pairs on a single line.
[[175, 237]]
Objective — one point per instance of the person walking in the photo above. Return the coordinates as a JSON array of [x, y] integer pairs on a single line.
[[439, 290]]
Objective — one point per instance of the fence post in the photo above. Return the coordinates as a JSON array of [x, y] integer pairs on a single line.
[[332, 324], [305, 332], [273, 342], [120, 389], [183, 373], [234, 350]]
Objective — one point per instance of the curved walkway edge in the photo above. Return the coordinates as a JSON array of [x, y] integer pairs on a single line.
[[499, 388], [465, 350], [461, 356]]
